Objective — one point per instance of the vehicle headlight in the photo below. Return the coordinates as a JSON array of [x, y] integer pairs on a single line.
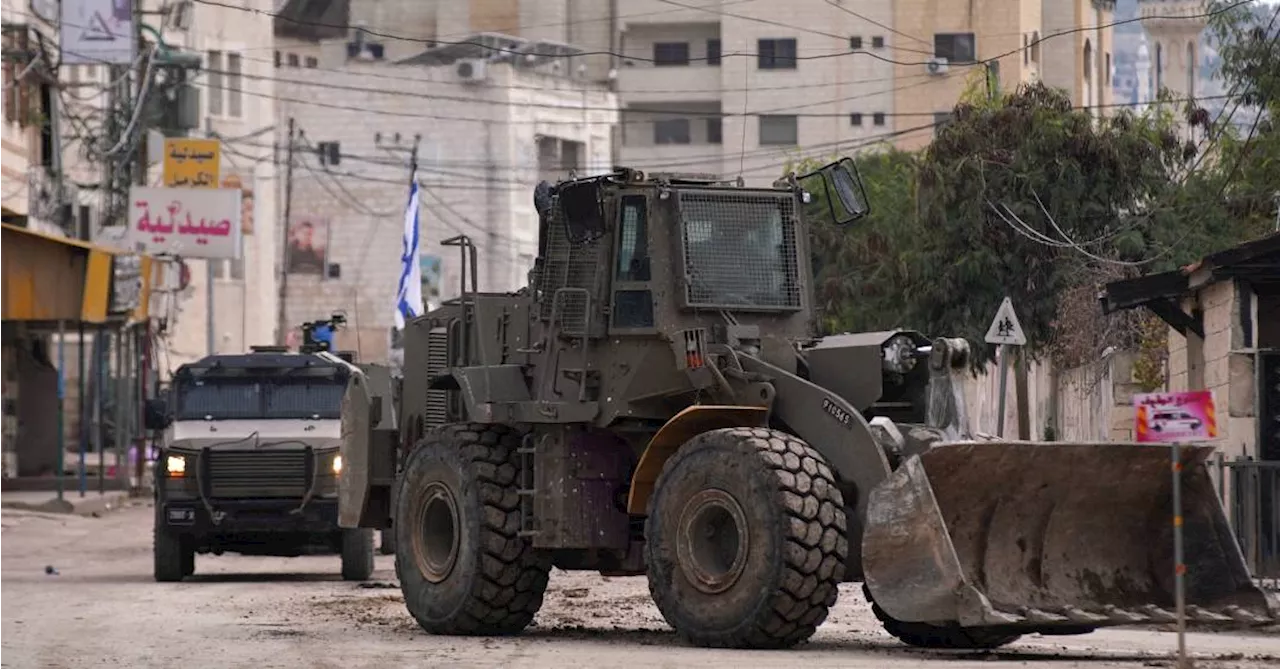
[[175, 465], [337, 464]]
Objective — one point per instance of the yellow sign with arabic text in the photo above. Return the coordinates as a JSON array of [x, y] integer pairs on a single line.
[[192, 163]]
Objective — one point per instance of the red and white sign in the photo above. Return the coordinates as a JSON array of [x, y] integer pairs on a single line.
[[1175, 417], [188, 222]]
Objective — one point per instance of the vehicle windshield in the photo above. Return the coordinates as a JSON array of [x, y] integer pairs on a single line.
[[260, 394], [740, 251]]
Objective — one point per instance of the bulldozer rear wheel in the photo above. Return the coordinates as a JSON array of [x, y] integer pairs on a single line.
[[745, 539], [925, 635], [463, 568]]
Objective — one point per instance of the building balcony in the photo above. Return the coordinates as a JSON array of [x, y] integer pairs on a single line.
[[643, 84]]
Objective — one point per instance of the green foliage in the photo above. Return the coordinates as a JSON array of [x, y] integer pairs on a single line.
[[1088, 200]]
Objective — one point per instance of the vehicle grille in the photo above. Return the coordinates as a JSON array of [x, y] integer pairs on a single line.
[[437, 412], [233, 474]]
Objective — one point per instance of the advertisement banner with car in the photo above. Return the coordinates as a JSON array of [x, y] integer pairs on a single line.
[[1182, 417]]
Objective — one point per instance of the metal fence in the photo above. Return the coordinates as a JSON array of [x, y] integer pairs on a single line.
[[1252, 500]]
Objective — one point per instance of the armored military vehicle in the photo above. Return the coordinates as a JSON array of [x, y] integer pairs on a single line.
[[658, 401], [250, 458]]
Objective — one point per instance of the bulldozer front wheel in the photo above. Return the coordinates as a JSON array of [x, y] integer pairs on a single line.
[[463, 568], [745, 539], [925, 635]]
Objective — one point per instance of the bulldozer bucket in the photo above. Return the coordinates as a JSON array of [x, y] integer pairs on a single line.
[[1052, 537]]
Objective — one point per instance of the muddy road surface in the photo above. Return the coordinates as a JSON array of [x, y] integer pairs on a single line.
[[101, 608]]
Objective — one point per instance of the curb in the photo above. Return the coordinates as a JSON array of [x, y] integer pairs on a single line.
[[71, 504]]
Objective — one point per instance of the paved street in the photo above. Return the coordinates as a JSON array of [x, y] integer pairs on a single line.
[[102, 609]]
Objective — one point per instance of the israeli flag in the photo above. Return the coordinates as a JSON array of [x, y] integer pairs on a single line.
[[409, 295]]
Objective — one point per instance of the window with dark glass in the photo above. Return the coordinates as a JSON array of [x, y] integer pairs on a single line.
[[877, 42], [671, 131], [776, 54], [713, 52], [670, 53], [955, 47], [715, 131], [633, 240], [855, 43], [855, 119], [878, 118]]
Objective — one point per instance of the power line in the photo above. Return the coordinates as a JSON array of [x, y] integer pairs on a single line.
[[797, 57]]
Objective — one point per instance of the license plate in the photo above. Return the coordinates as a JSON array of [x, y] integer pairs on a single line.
[[182, 516]]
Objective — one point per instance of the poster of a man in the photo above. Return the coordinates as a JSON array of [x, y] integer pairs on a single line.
[[246, 202], [308, 242]]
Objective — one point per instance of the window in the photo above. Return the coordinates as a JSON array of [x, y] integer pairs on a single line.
[[855, 43], [715, 131], [1108, 68], [1026, 49], [955, 47], [878, 118], [1191, 69], [312, 61], [776, 54], [670, 53], [235, 103], [713, 52], [1159, 67], [633, 242], [293, 60], [778, 130], [855, 118], [214, 88], [1035, 47], [877, 42], [279, 58], [671, 131]]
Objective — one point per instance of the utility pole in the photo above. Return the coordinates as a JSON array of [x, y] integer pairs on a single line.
[[282, 316]]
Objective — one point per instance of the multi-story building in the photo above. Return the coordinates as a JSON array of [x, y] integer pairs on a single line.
[[956, 38], [236, 102], [741, 88], [488, 119], [1077, 54]]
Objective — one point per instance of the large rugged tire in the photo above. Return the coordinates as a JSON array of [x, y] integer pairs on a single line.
[[387, 541], [463, 567], [357, 554], [174, 558], [745, 539], [953, 637]]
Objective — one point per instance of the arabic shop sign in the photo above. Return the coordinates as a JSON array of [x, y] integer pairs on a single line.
[[192, 163], [187, 222], [126, 283]]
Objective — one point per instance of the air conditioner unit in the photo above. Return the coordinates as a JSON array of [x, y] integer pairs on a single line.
[[471, 69], [936, 66]]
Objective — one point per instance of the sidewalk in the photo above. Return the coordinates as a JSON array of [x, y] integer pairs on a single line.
[[92, 502]]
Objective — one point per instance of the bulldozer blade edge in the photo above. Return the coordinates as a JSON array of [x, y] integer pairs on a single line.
[[1053, 537]]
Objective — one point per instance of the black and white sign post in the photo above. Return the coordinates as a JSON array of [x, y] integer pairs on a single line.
[[1005, 331]]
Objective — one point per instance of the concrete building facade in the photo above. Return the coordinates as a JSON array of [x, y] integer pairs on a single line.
[[487, 127], [739, 90], [1078, 57]]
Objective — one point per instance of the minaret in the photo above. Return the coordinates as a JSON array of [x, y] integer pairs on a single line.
[[1174, 43]]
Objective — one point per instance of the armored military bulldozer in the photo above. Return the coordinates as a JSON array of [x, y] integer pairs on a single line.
[[657, 401]]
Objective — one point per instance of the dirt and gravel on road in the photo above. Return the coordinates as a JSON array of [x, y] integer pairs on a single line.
[[99, 607]]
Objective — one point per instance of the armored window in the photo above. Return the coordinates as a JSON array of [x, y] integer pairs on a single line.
[[633, 241], [218, 400], [740, 251], [305, 400]]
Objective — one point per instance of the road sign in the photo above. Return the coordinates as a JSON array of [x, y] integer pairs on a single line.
[[191, 163], [1005, 328], [96, 32], [1174, 417]]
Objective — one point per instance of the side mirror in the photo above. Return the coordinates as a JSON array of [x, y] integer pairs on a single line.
[[155, 414], [837, 192]]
